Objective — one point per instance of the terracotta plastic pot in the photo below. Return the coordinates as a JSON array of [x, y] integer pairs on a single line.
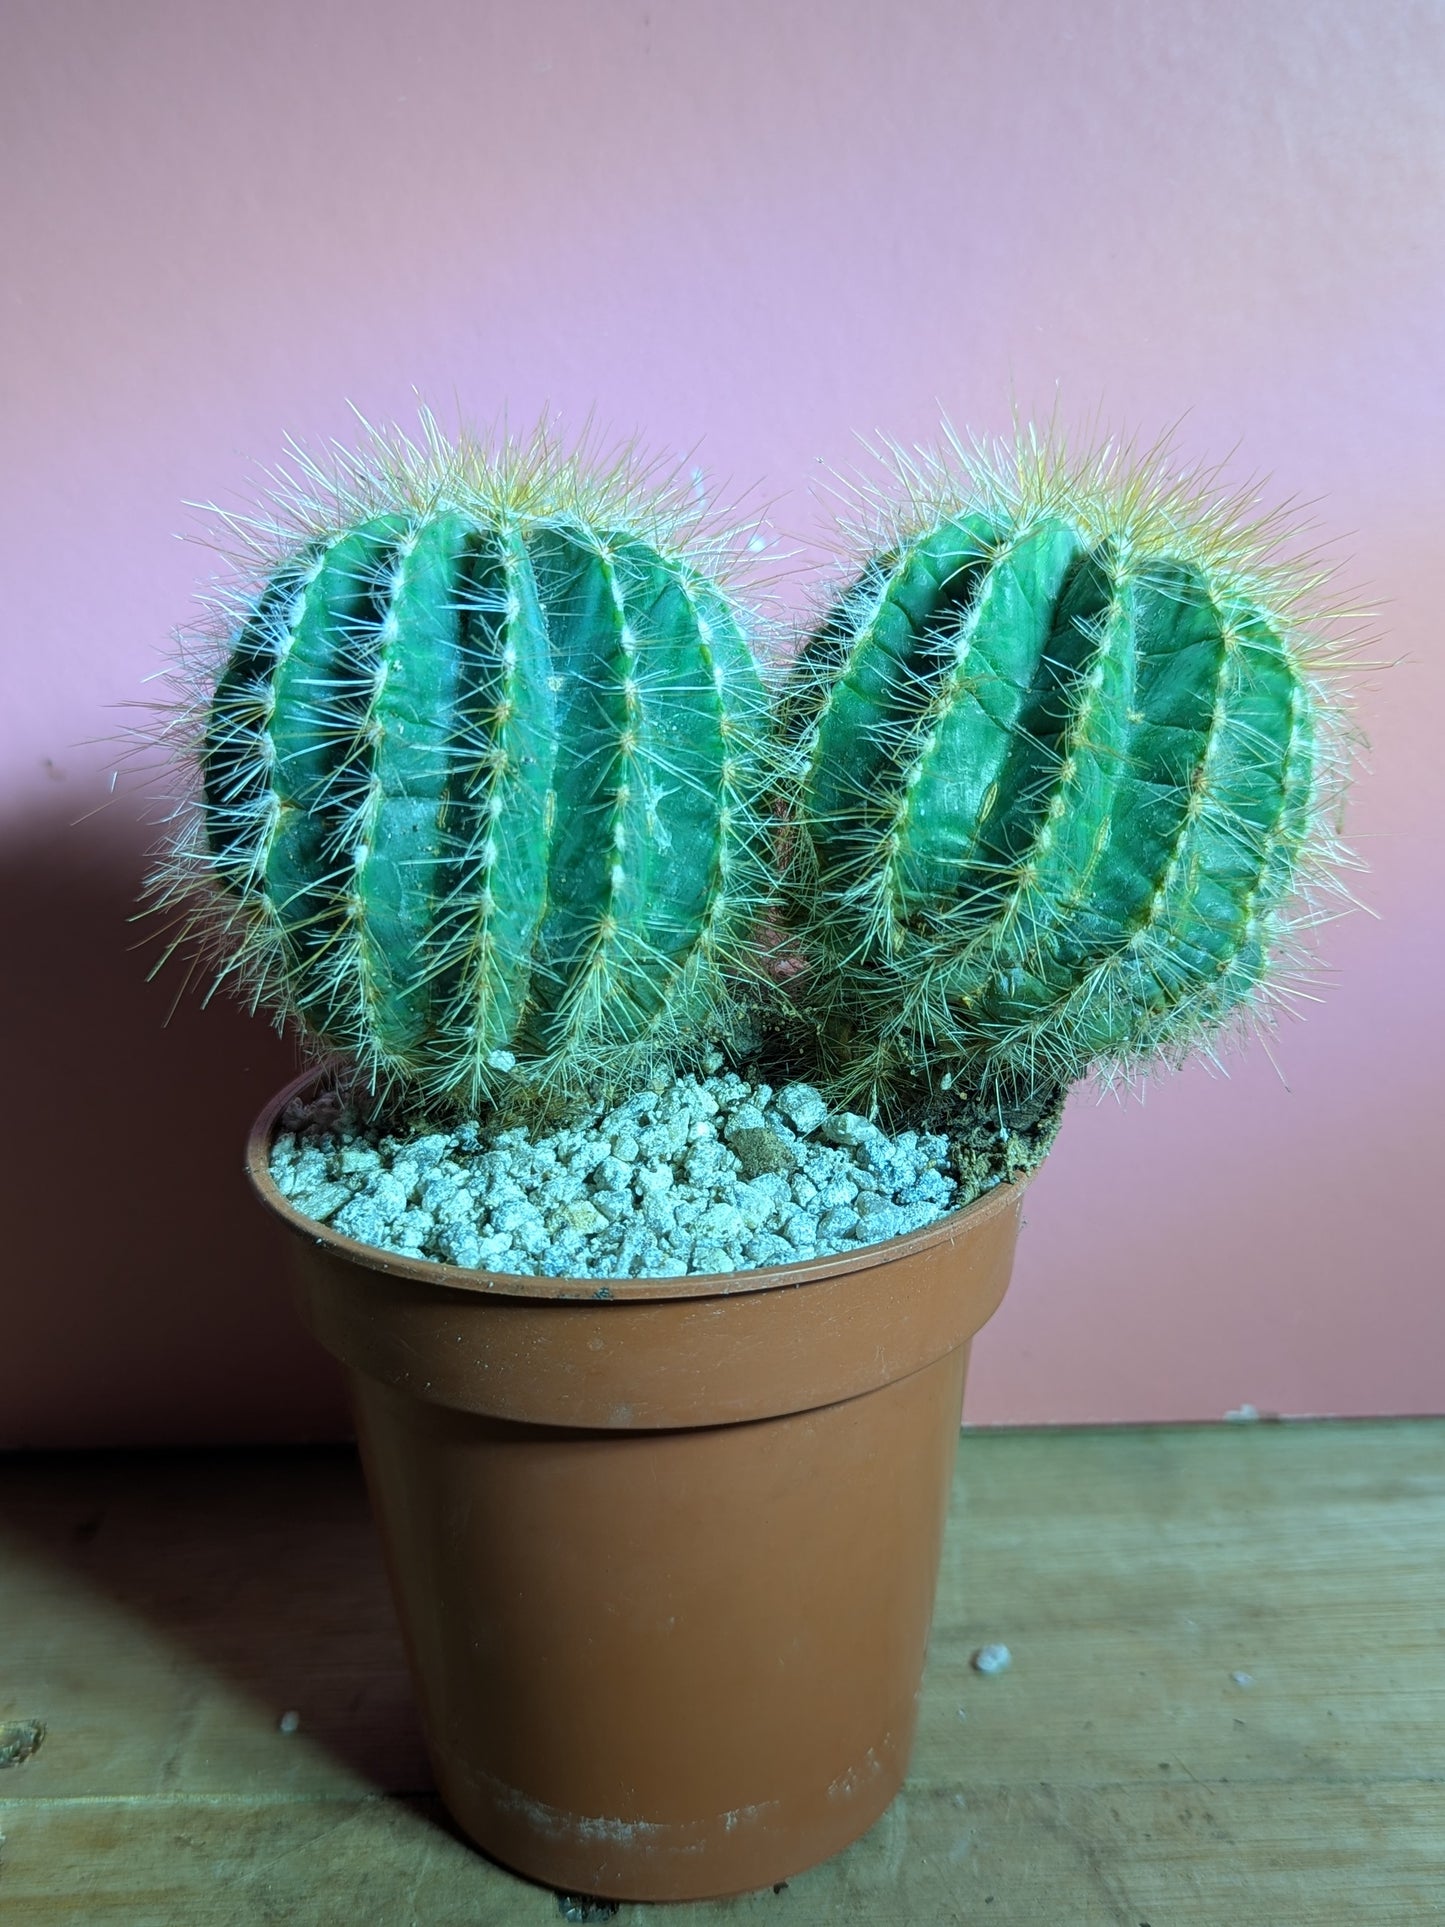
[[664, 1550]]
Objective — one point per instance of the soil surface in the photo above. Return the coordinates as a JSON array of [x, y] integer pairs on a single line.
[[694, 1175]]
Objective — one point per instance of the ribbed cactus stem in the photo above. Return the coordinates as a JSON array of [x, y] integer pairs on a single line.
[[1061, 774], [483, 779]]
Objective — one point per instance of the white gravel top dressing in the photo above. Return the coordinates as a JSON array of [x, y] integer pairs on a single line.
[[698, 1176]]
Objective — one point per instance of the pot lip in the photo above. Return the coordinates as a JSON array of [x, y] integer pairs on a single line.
[[511, 1284]]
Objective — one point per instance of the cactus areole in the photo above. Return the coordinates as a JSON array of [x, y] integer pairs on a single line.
[[1059, 777], [481, 799]]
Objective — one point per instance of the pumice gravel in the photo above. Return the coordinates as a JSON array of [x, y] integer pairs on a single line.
[[699, 1175]]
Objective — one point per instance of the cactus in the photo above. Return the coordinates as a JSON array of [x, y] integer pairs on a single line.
[[1067, 774], [482, 759]]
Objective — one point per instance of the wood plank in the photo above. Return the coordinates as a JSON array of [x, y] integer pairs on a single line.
[[1042, 1856], [1134, 1572], [161, 1613]]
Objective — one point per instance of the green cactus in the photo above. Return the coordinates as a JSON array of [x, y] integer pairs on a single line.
[[483, 770], [1066, 779]]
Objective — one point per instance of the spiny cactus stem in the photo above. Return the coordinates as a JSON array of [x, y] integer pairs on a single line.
[[470, 797], [1067, 797]]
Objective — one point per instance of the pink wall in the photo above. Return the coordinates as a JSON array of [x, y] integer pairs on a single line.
[[770, 224]]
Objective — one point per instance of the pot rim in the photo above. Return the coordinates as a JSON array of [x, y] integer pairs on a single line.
[[512, 1284]]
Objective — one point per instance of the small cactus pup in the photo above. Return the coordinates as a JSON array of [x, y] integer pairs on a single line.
[[1068, 764], [480, 773]]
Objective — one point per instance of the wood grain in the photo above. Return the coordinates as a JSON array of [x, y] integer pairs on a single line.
[[158, 1615]]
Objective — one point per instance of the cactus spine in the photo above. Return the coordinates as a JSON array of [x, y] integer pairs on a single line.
[[1066, 776], [481, 776]]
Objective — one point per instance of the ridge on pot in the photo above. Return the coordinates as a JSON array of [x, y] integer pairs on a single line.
[[492, 793]]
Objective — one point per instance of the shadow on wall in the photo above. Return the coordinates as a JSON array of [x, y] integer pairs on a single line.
[[146, 1301]]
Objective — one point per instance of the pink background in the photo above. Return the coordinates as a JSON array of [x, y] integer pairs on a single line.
[[769, 225]]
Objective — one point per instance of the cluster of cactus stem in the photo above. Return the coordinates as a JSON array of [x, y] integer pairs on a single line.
[[493, 801]]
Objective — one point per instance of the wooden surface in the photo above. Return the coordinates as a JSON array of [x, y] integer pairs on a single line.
[[158, 1616]]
